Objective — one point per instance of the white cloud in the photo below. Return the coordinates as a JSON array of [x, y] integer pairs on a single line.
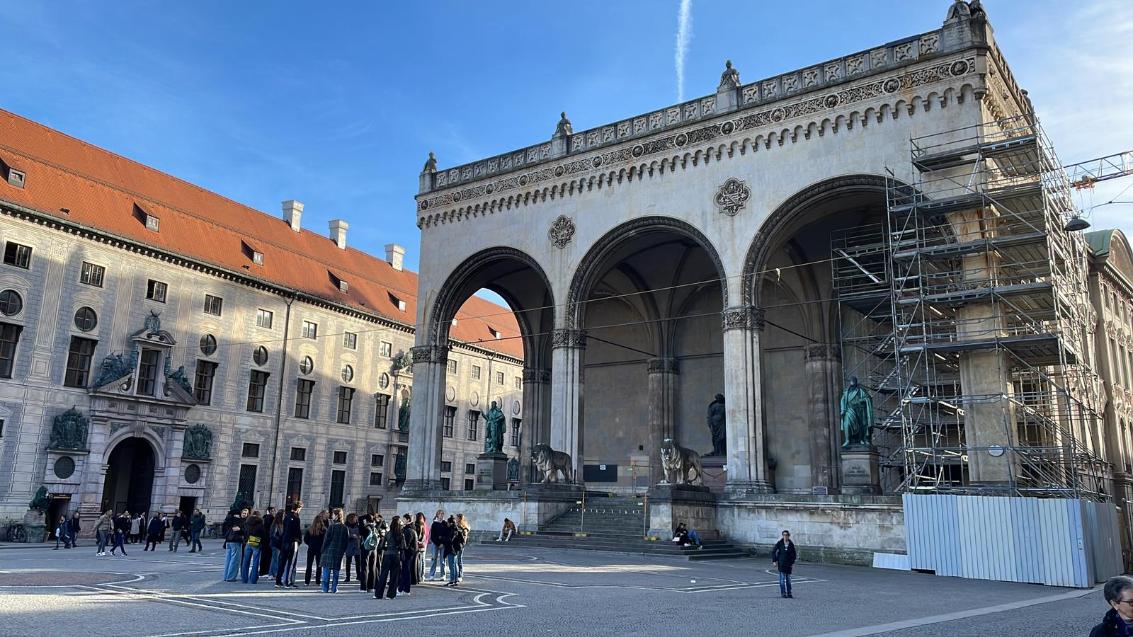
[[684, 36]]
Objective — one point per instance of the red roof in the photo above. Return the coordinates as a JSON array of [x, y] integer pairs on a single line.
[[77, 182]]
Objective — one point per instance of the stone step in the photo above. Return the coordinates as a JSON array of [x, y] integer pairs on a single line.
[[713, 551]]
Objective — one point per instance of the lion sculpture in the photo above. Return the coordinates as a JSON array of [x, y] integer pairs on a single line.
[[551, 462], [680, 465]]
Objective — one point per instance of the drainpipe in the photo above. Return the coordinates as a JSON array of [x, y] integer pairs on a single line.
[[279, 398]]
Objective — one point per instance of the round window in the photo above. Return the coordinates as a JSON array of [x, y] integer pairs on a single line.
[[347, 374], [208, 344], [64, 468], [383, 381], [85, 319], [307, 365], [192, 473], [11, 302], [260, 355]]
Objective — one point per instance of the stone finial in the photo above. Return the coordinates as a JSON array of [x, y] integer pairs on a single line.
[[730, 78], [564, 128], [430, 164]]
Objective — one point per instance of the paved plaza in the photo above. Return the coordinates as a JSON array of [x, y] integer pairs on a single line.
[[519, 590]]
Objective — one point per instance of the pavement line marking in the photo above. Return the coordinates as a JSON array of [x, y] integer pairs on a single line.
[[331, 625], [962, 614], [217, 604], [160, 597], [203, 633]]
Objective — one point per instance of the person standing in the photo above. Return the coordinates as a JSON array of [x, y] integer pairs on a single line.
[[196, 527], [74, 529], [153, 532], [253, 539], [1118, 620], [291, 536], [408, 554], [313, 538], [372, 550], [121, 525], [234, 535], [391, 562], [783, 556], [175, 531], [438, 536], [421, 526], [334, 547], [267, 550], [465, 532], [353, 546], [454, 545], [102, 529], [135, 529]]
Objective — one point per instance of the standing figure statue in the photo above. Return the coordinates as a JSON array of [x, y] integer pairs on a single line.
[[856, 408], [403, 415], [717, 424], [494, 429]]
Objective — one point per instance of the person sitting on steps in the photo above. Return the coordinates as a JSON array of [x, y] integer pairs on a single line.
[[685, 536], [507, 531]]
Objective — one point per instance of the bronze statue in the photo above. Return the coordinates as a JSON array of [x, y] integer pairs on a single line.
[[40, 501], [403, 416], [730, 78], [717, 424], [680, 463], [198, 443], [564, 128], [494, 428], [856, 408], [430, 164], [69, 431]]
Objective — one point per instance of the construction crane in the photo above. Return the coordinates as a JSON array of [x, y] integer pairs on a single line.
[[1084, 175]]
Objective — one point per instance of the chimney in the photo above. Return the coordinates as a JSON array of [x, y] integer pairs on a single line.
[[395, 255], [338, 232], [292, 213]]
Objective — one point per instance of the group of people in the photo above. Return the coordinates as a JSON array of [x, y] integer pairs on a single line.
[[116, 530], [387, 558]]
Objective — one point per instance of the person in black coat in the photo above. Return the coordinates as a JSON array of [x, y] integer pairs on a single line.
[[153, 532], [391, 561], [265, 547], [783, 556], [438, 536], [1118, 620], [289, 546], [408, 554]]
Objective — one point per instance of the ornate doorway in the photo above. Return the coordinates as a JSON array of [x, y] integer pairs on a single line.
[[129, 477]]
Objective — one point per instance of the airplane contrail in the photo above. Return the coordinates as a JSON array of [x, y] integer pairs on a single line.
[[684, 34]]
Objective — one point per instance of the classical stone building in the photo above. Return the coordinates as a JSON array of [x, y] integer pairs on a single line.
[[164, 347], [772, 241]]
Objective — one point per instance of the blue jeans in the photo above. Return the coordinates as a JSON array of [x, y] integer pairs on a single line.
[[784, 583], [102, 538], [195, 541], [250, 567], [274, 562], [329, 585], [695, 537], [438, 558], [232, 562], [453, 569], [460, 564]]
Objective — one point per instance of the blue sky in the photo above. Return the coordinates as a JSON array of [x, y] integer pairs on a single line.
[[337, 105]]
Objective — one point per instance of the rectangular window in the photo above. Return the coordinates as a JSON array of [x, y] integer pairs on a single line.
[[337, 487], [519, 382], [247, 480], [92, 274], [350, 340], [310, 330], [475, 372], [303, 392], [294, 484], [250, 450], [147, 372], [450, 420], [469, 484], [155, 291], [78, 362], [264, 318], [257, 385], [9, 339], [381, 411], [499, 378], [452, 367], [17, 254], [339, 457], [385, 350], [375, 479], [213, 305], [473, 422], [345, 400], [445, 484], [298, 454], [446, 466], [377, 460], [469, 468], [202, 388], [515, 424]]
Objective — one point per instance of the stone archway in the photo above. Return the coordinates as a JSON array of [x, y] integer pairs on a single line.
[[130, 473]]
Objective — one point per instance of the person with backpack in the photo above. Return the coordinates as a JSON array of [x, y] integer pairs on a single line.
[[353, 546], [408, 554], [313, 538], [438, 536], [454, 549], [391, 561], [365, 546], [254, 538], [376, 544], [783, 556], [334, 547]]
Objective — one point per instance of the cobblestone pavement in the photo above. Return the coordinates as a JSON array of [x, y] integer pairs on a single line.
[[521, 590]]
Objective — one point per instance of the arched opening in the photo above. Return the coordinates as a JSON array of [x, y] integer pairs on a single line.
[[129, 476], [805, 269], [649, 296]]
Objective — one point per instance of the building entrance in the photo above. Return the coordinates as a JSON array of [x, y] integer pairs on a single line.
[[129, 477]]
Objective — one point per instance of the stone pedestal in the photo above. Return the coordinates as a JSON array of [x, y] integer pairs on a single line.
[[861, 472], [491, 472], [35, 526], [671, 504], [715, 472]]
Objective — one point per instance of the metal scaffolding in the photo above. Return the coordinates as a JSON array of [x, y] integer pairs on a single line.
[[979, 297]]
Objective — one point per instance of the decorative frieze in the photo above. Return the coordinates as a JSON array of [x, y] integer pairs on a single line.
[[423, 354], [822, 351], [568, 338], [542, 376], [743, 318], [664, 366]]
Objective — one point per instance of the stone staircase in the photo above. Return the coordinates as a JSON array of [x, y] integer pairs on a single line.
[[617, 523]]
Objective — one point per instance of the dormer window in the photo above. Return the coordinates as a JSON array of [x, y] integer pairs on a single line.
[[153, 223], [338, 282], [15, 178], [258, 258], [255, 255], [398, 303], [494, 332]]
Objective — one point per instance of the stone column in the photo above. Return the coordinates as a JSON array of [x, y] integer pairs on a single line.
[[423, 462], [822, 366], [566, 394], [746, 471], [662, 410], [536, 423]]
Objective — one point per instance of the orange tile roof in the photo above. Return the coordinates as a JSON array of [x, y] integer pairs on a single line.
[[77, 182]]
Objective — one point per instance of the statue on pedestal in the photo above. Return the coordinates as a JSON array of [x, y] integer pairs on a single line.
[[551, 462], [717, 424], [40, 501], [680, 463], [494, 429], [856, 408], [730, 78], [403, 414]]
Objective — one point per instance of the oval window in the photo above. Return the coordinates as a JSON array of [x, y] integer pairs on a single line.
[[11, 302], [307, 365], [260, 355], [85, 319], [208, 344], [347, 374], [192, 473]]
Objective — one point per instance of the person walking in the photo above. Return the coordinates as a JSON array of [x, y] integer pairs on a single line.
[[121, 530], [153, 532], [313, 538], [234, 536], [175, 535], [291, 536], [253, 539], [438, 536], [74, 529], [353, 546], [783, 556], [267, 550], [391, 562], [1118, 620], [62, 534], [196, 527], [102, 529], [333, 549], [408, 554]]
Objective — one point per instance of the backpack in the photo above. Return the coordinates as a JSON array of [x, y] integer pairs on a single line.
[[371, 541]]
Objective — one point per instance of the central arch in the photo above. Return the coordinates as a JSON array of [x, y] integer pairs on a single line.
[[130, 476]]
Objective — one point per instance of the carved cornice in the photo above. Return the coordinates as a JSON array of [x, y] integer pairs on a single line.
[[541, 376], [664, 366], [758, 125], [568, 338], [823, 352], [745, 317], [425, 354]]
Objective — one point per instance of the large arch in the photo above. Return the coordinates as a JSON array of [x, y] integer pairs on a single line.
[[132, 465]]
